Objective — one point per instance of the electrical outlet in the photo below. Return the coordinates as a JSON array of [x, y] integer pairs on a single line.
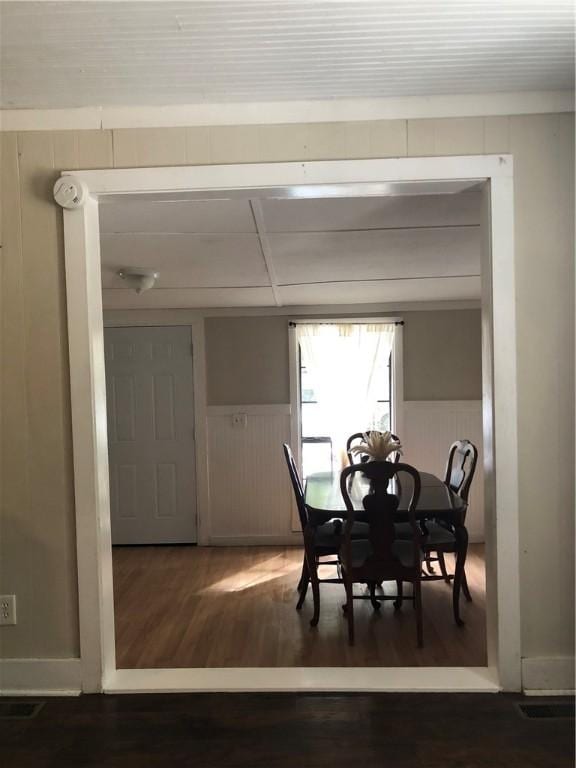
[[240, 420], [7, 609]]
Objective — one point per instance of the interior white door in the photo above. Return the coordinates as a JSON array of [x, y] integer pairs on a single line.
[[150, 402]]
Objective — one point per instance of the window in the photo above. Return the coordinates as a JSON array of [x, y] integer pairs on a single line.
[[345, 372]]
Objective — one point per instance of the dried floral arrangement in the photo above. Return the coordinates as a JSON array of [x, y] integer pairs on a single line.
[[378, 446]]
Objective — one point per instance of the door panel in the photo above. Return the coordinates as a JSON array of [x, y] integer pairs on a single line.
[[151, 435]]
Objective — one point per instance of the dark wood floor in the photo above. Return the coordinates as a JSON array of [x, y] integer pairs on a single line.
[[286, 731], [235, 607]]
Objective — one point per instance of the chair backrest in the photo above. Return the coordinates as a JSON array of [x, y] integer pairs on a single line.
[[359, 436], [296, 486], [379, 511], [460, 467]]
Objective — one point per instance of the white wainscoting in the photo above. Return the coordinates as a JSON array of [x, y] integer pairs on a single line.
[[430, 427], [249, 487]]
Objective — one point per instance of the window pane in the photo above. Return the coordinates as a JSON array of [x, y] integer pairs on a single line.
[[308, 394], [316, 457], [382, 417], [314, 423]]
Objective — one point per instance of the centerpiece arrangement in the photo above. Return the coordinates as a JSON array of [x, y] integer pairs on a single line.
[[378, 446], [375, 453]]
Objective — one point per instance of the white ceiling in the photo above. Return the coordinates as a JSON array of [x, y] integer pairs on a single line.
[[73, 54], [267, 252]]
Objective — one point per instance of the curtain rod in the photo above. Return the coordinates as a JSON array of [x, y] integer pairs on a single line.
[[372, 322]]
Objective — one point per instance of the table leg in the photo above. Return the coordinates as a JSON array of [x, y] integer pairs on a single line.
[[461, 535]]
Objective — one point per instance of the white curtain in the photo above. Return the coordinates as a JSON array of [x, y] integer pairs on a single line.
[[346, 364]]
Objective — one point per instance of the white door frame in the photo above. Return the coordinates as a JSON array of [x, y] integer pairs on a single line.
[[88, 396]]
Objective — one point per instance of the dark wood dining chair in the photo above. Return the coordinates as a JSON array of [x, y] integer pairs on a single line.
[[382, 557], [440, 538], [358, 437], [320, 541]]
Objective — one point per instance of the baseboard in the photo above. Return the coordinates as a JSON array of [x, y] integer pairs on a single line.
[[272, 540], [283, 540], [548, 675], [40, 677]]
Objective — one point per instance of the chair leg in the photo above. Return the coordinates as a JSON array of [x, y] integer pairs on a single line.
[[465, 588], [429, 566], [442, 564], [375, 603], [303, 585], [350, 610], [303, 574], [418, 606], [315, 593], [400, 598]]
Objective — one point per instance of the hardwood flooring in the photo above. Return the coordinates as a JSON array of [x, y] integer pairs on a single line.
[[185, 606], [287, 730]]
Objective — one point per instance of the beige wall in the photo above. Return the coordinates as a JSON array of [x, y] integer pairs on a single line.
[[247, 360], [37, 506], [247, 357], [442, 355]]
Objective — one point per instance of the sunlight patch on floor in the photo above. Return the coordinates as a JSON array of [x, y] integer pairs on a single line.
[[261, 573]]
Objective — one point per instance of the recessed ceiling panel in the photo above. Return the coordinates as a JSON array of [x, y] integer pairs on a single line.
[[375, 254], [331, 214], [186, 261], [389, 291], [199, 216]]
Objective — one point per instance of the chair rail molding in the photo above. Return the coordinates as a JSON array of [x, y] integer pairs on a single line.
[[282, 112]]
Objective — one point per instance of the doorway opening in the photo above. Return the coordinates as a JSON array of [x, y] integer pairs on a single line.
[[87, 367]]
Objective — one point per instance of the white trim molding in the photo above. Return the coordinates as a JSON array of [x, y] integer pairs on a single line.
[[335, 679], [40, 677], [275, 409], [283, 112], [548, 675], [123, 317], [319, 178], [85, 324]]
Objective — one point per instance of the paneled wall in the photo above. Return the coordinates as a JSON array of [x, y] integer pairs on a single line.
[[430, 427], [38, 531], [250, 494]]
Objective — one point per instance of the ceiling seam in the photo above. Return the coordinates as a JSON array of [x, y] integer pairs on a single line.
[[258, 214], [142, 233], [378, 280], [295, 285]]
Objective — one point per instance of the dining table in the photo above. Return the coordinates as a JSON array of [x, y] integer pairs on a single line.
[[437, 501]]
